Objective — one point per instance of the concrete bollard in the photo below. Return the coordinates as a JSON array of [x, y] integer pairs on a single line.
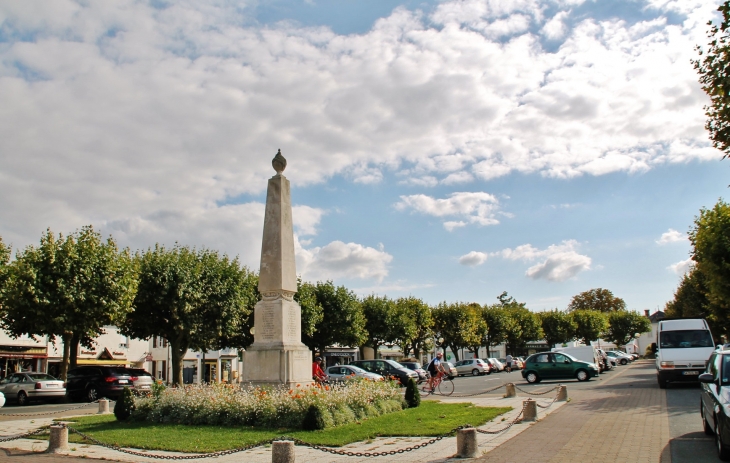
[[103, 407], [530, 413], [282, 451], [466, 443], [58, 441], [510, 391], [562, 393]]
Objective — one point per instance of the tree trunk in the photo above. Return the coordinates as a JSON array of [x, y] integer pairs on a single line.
[[177, 352], [455, 352], [66, 338], [74, 352]]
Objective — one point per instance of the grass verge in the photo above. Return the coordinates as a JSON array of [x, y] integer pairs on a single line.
[[430, 419]]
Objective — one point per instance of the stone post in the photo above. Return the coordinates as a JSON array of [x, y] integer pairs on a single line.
[[530, 413], [510, 391], [282, 451], [562, 393], [466, 443], [58, 441], [103, 407]]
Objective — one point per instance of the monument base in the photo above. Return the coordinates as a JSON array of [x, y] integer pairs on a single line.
[[284, 365]]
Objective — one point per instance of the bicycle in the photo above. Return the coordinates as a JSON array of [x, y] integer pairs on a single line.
[[444, 385]]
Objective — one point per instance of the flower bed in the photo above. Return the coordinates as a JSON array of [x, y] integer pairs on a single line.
[[228, 405]]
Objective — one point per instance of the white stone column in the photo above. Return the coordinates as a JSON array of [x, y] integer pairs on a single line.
[[218, 369]]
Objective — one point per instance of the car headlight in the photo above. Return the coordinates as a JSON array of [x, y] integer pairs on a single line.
[[666, 364]]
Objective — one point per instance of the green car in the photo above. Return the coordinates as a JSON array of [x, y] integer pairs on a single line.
[[553, 365]]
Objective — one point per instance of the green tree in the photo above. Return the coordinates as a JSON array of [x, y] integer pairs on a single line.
[[382, 321], [416, 333], [590, 324], [525, 327], [598, 299], [5, 253], [623, 325], [558, 327], [68, 288], [459, 325], [193, 299], [691, 301], [710, 238], [343, 320], [498, 324], [312, 311], [713, 67]]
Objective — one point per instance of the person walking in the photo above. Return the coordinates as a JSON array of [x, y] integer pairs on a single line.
[[509, 363]]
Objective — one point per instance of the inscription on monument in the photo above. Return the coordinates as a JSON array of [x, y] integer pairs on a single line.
[[291, 325], [269, 324]]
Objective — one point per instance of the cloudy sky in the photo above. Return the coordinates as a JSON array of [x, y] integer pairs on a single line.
[[447, 149]]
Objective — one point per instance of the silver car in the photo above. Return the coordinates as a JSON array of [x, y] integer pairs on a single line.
[[344, 372], [472, 367], [27, 386], [142, 380]]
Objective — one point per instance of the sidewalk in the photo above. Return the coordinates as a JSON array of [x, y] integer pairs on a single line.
[[623, 420], [440, 451]]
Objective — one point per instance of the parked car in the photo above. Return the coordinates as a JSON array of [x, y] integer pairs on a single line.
[[517, 363], [472, 367], [416, 366], [142, 380], [715, 401], [554, 365], [498, 366], [27, 386], [2, 399], [620, 357], [344, 372], [95, 382], [387, 368], [452, 373]]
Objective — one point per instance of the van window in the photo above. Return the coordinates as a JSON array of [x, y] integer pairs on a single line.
[[685, 339]]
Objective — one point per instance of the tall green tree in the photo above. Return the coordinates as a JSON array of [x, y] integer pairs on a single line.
[[525, 327], [623, 325], [459, 325], [195, 299], [69, 288], [312, 311], [710, 238], [417, 334], [558, 327], [598, 299], [383, 321], [498, 324], [5, 253], [590, 324], [343, 319], [713, 67], [691, 301]]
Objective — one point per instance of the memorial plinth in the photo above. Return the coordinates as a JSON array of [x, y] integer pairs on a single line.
[[277, 355]]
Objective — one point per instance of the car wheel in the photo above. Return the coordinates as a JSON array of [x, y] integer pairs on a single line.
[[475, 372], [624, 361], [489, 371], [723, 451], [92, 394], [582, 375], [22, 398], [705, 425], [532, 377]]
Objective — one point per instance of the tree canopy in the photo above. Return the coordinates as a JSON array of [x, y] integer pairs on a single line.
[[598, 299], [460, 325], [417, 334], [558, 327], [589, 325], [343, 320], [623, 325]]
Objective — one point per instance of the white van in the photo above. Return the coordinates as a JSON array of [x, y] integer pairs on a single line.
[[585, 353], [682, 350]]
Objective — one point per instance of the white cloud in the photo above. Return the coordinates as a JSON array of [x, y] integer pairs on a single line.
[[472, 207], [342, 260], [559, 262], [681, 267], [671, 236], [473, 258], [555, 28]]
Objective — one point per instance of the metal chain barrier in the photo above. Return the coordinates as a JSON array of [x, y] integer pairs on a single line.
[[27, 434], [482, 392], [169, 457], [53, 412], [548, 405], [517, 419], [536, 393]]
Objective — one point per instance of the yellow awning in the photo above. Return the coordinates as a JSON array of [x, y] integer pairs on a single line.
[[101, 362]]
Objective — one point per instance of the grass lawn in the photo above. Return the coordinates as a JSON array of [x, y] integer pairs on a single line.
[[430, 419]]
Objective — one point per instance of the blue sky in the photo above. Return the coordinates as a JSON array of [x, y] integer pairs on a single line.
[[449, 150]]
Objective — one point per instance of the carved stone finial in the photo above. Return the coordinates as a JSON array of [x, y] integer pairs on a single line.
[[279, 163]]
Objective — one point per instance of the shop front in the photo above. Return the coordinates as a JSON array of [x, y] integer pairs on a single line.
[[14, 359], [340, 356]]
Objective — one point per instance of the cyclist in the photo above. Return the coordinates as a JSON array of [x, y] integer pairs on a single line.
[[435, 367], [318, 374]]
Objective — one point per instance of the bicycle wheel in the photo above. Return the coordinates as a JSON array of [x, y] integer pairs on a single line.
[[446, 387], [426, 389]]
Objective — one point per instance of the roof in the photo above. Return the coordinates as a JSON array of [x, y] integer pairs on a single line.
[[657, 316]]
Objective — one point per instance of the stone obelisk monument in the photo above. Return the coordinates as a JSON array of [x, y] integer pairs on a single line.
[[277, 355]]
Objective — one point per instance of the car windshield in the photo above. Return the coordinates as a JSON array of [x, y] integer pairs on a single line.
[[42, 377], [685, 339], [138, 372], [395, 364], [356, 369]]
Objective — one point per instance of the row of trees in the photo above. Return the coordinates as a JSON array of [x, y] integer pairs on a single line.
[[71, 287]]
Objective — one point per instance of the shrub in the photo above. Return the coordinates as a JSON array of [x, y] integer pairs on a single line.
[[413, 397], [125, 405], [314, 419]]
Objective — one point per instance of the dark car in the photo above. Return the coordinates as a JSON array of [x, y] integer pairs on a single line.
[[553, 365], [95, 382], [715, 404], [387, 368]]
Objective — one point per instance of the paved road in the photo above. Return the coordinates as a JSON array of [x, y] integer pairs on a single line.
[[689, 443]]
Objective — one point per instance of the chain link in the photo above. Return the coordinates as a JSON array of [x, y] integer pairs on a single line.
[[27, 434], [536, 393], [548, 405], [482, 392], [516, 420], [53, 412]]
